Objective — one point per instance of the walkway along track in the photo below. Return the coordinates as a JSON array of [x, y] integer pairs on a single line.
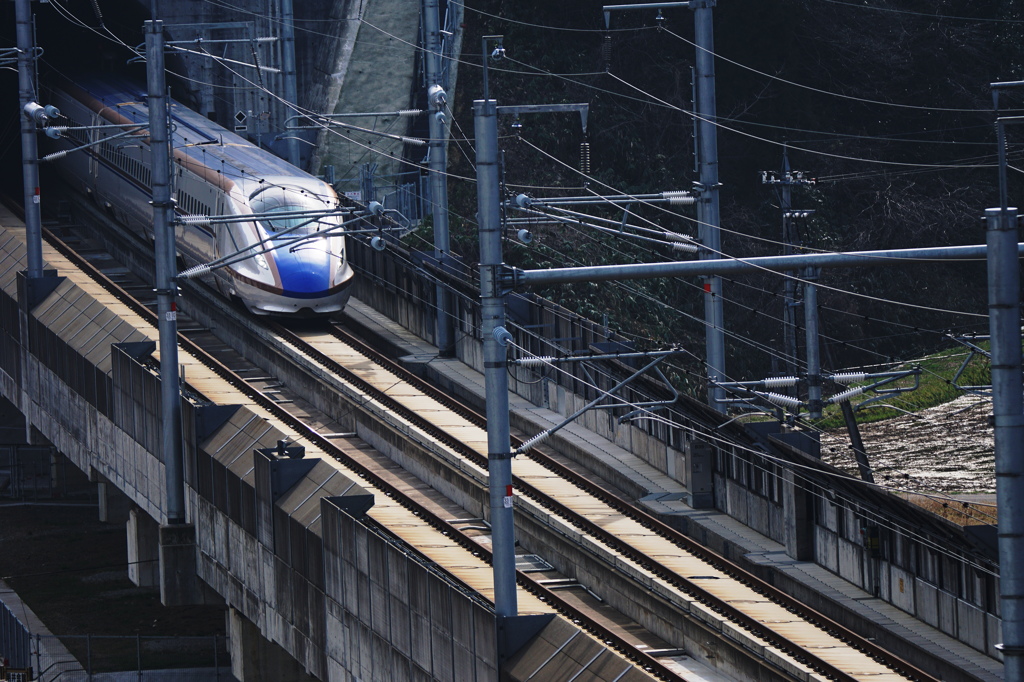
[[765, 613], [706, 583]]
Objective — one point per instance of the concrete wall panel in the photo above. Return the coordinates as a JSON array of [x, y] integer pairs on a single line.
[[851, 561], [757, 514], [283, 591], [336, 672], [826, 549], [463, 633], [993, 635], [334, 638], [828, 518], [464, 664], [737, 498], [971, 624], [382, 660], [884, 572], [364, 610], [380, 608], [420, 639], [926, 600], [947, 604], [400, 665], [267, 596], [350, 586], [776, 523], [364, 643], [442, 654], [401, 626], [901, 587]]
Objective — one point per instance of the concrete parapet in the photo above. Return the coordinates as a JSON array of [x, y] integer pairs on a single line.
[[557, 652], [254, 658]]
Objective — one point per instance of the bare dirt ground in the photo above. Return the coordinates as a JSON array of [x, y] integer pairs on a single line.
[[946, 449]]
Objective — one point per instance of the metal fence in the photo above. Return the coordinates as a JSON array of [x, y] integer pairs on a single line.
[[95, 658], [14, 639], [31, 472], [408, 192]]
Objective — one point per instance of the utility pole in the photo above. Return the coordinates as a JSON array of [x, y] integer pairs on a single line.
[[290, 79], [784, 180], [1008, 413], [708, 210], [499, 456], [29, 147], [814, 404], [166, 288], [494, 287], [1007, 402], [438, 164], [709, 214]]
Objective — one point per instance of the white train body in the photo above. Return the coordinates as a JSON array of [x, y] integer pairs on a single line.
[[214, 173]]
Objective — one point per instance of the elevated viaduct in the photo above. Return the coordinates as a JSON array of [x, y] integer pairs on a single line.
[[302, 550], [294, 550]]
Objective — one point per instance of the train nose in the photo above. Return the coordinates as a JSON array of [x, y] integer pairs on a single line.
[[304, 271]]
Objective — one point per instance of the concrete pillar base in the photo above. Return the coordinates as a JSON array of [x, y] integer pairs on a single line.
[[798, 520], [143, 548], [101, 495], [179, 584], [254, 658], [113, 505]]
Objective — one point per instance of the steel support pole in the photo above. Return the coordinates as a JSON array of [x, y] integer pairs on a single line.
[[789, 296], [166, 289], [492, 303], [735, 266], [710, 215], [291, 87], [813, 349], [856, 442], [1008, 410], [438, 164], [29, 148]]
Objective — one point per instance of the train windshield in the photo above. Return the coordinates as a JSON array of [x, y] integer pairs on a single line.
[[289, 220], [298, 209]]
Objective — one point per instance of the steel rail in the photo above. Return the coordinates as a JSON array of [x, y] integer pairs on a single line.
[[558, 603], [756, 628], [649, 521]]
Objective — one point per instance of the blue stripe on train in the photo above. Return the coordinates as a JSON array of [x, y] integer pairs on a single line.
[[305, 272]]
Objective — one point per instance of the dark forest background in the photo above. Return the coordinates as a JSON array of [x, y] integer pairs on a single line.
[[885, 102]]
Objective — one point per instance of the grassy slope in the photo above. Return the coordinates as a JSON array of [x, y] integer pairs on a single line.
[[936, 387]]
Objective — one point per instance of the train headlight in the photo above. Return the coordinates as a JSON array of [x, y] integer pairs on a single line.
[[261, 261]]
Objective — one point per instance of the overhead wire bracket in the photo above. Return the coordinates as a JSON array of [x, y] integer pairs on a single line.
[[657, 356]]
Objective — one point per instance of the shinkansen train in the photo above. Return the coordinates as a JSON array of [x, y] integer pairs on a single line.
[[288, 260]]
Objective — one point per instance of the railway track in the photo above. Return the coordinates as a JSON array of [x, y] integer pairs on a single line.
[[233, 374], [713, 568], [704, 586]]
